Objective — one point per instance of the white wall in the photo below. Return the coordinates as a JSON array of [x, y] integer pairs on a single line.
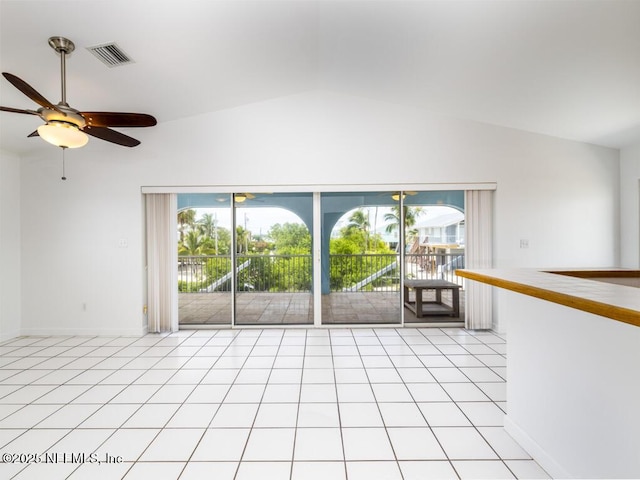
[[82, 280], [630, 206], [562, 196], [9, 246]]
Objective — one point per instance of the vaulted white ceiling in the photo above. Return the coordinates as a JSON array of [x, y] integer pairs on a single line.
[[564, 68]]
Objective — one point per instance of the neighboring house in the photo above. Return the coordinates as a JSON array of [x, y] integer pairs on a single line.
[[438, 244], [444, 230]]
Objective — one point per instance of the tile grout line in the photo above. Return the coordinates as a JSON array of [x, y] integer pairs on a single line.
[[416, 403], [335, 382], [478, 430], [259, 403], [295, 434], [386, 431]]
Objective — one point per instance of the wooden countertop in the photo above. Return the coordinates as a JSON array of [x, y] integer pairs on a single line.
[[571, 288]]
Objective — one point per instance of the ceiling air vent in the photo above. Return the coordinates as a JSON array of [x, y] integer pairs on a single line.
[[110, 54]]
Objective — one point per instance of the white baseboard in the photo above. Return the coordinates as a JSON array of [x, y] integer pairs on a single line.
[[546, 461], [90, 332], [6, 336]]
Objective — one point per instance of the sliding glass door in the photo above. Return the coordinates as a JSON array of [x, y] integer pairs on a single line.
[[434, 249], [247, 258], [204, 259], [360, 255], [273, 238]]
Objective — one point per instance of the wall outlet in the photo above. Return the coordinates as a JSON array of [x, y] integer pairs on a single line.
[[524, 243], [123, 243]]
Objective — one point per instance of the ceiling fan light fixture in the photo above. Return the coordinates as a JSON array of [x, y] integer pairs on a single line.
[[65, 126], [63, 134]]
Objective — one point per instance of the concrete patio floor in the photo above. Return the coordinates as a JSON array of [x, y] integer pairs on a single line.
[[260, 308]]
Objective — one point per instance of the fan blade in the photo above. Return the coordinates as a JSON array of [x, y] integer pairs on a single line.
[[33, 134], [118, 119], [30, 92], [112, 136], [19, 110]]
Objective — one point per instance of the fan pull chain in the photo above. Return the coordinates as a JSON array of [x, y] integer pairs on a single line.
[[63, 175]]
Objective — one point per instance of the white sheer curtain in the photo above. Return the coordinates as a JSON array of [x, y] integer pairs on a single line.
[[478, 207], [162, 261]]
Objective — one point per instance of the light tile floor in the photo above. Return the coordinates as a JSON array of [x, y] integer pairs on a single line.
[[266, 404]]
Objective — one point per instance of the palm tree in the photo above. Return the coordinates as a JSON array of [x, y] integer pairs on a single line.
[[208, 226], [186, 218], [360, 221], [411, 214], [195, 244], [242, 240]]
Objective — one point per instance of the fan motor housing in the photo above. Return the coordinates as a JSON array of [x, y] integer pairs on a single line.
[[72, 116], [61, 44]]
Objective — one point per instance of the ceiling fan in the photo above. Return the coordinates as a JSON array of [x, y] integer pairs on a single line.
[[67, 127], [243, 196], [396, 195]]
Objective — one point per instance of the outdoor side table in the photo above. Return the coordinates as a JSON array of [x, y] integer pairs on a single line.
[[421, 308]]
